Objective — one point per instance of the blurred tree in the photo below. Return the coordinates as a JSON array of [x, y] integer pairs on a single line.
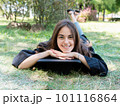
[[83, 4], [100, 5], [6, 10], [20, 8], [14, 8], [115, 7], [51, 11], [103, 5]]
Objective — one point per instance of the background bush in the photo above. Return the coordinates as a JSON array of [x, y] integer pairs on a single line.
[[88, 14]]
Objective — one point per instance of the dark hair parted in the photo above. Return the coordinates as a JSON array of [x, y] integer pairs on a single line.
[[80, 47]]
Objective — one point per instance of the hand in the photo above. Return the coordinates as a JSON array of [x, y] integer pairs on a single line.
[[60, 55], [70, 55], [55, 53], [50, 53]]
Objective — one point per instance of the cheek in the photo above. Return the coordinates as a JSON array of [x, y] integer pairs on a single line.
[[73, 43], [58, 42]]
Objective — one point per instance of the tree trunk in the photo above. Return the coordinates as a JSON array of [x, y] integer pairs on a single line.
[[66, 16], [10, 11], [104, 15], [80, 6], [23, 15], [98, 16], [84, 4], [15, 15]]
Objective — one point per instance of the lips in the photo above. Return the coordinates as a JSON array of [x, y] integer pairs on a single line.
[[66, 47]]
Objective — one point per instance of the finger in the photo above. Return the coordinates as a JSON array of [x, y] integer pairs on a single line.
[[62, 58], [52, 50], [52, 54], [55, 51], [68, 58]]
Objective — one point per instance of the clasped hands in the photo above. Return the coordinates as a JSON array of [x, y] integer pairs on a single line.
[[62, 55]]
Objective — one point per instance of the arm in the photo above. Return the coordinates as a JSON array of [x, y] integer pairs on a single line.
[[72, 55], [81, 58], [97, 65], [31, 60]]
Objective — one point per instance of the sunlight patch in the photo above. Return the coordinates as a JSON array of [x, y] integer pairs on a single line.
[[22, 44], [39, 75], [111, 66]]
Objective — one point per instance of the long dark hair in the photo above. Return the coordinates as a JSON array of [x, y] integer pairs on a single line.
[[79, 47]]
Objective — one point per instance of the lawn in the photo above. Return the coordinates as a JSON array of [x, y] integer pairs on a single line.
[[105, 37]]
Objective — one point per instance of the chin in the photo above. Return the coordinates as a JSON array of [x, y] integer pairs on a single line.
[[64, 51]]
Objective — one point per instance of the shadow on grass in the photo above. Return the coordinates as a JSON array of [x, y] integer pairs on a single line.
[[23, 36]]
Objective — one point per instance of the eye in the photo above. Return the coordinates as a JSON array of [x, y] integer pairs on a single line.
[[60, 36], [70, 36]]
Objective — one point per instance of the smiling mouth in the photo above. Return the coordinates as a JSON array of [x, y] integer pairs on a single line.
[[66, 46]]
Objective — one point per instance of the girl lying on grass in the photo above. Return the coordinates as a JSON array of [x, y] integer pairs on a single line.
[[67, 42]]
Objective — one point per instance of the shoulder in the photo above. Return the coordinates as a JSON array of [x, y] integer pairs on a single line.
[[42, 46], [43, 43]]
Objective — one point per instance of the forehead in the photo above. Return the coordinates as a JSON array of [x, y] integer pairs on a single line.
[[65, 31]]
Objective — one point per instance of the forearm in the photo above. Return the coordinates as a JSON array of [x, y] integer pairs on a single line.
[[30, 61], [97, 65], [82, 59]]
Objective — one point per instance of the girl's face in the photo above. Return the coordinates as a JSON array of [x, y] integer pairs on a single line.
[[65, 40]]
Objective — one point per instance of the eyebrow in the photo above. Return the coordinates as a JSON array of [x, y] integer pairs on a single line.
[[60, 35], [63, 35]]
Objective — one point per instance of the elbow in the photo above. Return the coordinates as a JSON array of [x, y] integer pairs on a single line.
[[104, 72], [21, 67]]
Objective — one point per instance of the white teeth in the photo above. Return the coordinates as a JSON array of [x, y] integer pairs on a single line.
[[66, 46]]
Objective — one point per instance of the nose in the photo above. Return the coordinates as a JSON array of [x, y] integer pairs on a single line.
[[66, 41]]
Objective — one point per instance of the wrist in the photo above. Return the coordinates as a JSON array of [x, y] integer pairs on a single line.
[[47, 52], [76, 55]]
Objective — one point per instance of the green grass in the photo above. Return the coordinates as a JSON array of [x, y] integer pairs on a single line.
[[105, 37]]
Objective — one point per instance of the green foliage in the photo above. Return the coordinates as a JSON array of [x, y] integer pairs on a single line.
[[50, 11], [14, 8]]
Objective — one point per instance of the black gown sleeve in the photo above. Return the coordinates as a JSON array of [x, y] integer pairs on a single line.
[[97, 65], [21, 56]]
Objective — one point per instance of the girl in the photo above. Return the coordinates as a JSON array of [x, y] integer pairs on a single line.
[[67, 42]]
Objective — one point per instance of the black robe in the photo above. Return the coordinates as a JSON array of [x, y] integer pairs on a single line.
[[96, 63]]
